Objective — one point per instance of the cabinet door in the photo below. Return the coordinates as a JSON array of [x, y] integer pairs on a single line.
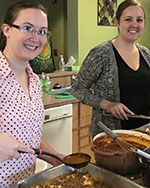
[[75, 128], [81, 137], [81, 126], [85, 124], [85, 110]]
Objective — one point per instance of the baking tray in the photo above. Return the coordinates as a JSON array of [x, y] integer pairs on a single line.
[[106, 176]]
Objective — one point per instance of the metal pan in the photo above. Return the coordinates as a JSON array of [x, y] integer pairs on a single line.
[[105, 176]]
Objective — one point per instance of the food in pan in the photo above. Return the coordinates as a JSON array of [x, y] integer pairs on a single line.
[[75, 180], [107, 144], [109, 155]]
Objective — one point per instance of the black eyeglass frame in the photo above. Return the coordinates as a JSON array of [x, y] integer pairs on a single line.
[[48, 33]]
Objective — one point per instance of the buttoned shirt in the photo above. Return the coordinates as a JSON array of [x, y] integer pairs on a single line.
[[22, 118]]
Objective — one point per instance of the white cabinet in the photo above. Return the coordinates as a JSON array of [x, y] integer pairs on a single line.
[[57, 131], [57, 128]]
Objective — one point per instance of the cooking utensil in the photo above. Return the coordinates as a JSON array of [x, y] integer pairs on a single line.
[[122, 143], [64, 97], [131, 116], [58, 93], [75, 160], [147, 150], [138, 116]]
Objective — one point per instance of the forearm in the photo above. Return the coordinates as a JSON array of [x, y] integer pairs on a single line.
[[86, 87], [45, 147], [82, 90], [87, 97]]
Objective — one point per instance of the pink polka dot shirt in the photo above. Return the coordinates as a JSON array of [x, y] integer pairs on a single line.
[[21, 117]]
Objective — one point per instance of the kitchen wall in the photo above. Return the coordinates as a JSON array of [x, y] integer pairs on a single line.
[[57, 15], [73, 24], [3, 8], [83, 32], [57, 23]]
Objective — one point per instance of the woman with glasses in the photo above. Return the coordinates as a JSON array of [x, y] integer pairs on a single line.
[[114, 77], [23, 36]]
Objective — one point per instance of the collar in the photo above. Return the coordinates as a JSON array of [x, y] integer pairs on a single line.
[[5, 69]]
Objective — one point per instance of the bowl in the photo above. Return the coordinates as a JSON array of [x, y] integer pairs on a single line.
[[41, 165], [109, 155]]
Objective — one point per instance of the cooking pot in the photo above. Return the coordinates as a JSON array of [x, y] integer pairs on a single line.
[[109, 155]]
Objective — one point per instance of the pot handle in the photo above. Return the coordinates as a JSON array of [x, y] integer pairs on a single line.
[[95, 149]]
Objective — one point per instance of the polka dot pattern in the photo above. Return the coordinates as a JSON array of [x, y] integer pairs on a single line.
[[21, 117]]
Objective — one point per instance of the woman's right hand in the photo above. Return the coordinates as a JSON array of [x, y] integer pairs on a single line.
[[9, 147], [117, 109]]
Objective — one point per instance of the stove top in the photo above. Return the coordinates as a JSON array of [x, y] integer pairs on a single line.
[[138, 178]]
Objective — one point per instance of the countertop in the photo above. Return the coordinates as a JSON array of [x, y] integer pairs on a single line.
[[50, 101], [58, 74], [64, 79]]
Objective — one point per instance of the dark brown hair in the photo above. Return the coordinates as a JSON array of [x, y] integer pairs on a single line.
[[12, 13], [125, 4]]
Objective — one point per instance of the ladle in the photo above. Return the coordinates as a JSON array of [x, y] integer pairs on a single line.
[[147, 150], [75, 160]]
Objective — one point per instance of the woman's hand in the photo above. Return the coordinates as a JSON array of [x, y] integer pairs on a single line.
[[9, 147], [118, 110]]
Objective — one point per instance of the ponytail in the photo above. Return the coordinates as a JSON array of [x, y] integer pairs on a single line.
[[2, 42]]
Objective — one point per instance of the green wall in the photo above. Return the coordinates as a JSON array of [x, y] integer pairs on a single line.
[[145, 39], [87, 32], [74, 26]]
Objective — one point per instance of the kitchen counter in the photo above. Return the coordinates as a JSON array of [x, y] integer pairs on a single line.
[[50, 101]]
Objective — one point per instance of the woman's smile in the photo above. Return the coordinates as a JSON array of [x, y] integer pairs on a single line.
[[30, 47]]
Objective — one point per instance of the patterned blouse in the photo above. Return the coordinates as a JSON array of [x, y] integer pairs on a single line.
[[21, 117]]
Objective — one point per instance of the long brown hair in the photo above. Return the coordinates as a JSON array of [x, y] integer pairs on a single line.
[[12, 13]]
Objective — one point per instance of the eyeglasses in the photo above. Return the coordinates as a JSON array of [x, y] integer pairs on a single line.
[[30, 29]]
